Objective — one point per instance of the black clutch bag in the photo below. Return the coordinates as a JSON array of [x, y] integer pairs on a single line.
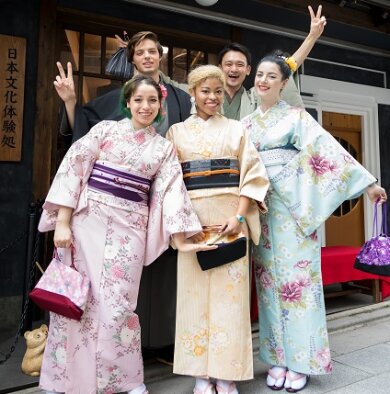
[[230, 248]]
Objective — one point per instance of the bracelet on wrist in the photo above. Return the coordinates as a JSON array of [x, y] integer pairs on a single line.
[[240, 218]]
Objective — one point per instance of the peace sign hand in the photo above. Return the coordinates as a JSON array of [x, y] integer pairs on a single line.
[[64, 84], [317, 22]]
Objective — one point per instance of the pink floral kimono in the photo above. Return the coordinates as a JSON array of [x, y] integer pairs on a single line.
[[128, 195]]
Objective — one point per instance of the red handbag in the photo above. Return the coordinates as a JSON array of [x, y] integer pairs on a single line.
[[62, 289]]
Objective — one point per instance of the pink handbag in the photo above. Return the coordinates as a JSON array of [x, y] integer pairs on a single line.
[[62, 289]]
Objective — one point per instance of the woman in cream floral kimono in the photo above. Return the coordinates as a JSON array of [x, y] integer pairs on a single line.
[[310, 176], [116, 200], [213, 330]]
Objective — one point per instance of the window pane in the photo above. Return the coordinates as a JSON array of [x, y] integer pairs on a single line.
[[92, 53], [212, 58], [197, 58], [179, 72], [164, 61], [93, 87], [70, 47]]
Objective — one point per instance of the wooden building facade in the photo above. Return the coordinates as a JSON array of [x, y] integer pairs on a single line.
[[345, 84]]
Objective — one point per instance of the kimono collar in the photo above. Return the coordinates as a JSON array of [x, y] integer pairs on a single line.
[[198, 119], [128, 123]]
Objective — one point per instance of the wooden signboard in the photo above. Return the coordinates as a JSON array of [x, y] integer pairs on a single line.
[[12, 77]]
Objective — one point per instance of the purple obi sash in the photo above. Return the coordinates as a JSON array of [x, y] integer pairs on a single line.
[[119, 183]]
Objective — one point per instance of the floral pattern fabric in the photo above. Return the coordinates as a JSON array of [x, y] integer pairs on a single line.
[[292, 321], [213, 330], [113, 239]]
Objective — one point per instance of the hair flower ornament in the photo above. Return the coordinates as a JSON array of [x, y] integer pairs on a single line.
[[164, 91], [290, 61]]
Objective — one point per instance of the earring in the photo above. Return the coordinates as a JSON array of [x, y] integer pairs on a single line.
[[193, 106]]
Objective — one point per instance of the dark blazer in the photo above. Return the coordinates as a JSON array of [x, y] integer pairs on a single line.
[[106, 107]]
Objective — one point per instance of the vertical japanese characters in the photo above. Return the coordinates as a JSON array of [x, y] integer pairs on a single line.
[[12, 73]]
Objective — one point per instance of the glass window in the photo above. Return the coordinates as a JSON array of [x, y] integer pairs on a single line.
[[164, 64], [94, 87], [70, 48], [197, 58], [180, 66], [92, 53]]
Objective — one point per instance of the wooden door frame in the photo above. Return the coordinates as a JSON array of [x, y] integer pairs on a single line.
[[355, 99]]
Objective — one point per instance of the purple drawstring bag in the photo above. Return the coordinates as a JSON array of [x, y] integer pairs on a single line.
[[374, 256]]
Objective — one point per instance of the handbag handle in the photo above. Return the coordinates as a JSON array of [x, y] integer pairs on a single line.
[[57, 256], [384, 218], [383, 227]]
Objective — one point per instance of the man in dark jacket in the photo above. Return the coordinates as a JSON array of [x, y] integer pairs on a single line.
[[157, 296]]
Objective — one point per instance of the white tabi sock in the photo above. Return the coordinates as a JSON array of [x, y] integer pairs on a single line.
[[138, 390], [201, 383], [226, 386]]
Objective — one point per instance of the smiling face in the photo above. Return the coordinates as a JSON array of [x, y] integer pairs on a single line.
[[144, 105], [209, 97], [235, 66], [269, 81], [146, 58]]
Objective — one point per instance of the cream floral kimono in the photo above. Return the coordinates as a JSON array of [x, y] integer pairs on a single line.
[[213, 329]]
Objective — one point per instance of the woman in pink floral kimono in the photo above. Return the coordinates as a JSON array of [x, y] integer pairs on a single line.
[[310, 175], [117, 198]]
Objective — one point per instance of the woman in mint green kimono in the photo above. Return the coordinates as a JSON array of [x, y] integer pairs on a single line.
[[310, 175]]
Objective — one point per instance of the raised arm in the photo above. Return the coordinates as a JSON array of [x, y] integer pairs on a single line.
[[65, 88], [317, 25]]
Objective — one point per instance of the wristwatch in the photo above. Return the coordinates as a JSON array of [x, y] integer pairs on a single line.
[[240, 218]]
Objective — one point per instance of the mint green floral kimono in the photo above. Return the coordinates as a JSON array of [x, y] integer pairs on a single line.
[[310, 175]]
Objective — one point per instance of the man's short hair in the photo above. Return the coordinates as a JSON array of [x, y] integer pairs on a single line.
[[235, 46], [137, 38]]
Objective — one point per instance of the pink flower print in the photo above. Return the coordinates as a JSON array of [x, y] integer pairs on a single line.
[[291, 292], [348, 159], [106, 146], [328, 368], [333, 168], [265, 229], [280, 354], [303, 280], [258, 271], [139, 137], [122, 241], [118, 272], [132, 322], [323, 357], [303, 264], [313, 236], [319, 165], [266, 280]]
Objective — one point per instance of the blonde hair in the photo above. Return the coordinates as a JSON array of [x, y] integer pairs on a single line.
[[201, 73]]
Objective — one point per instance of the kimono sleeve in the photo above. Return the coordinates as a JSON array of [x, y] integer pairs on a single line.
[[72, 176], [320, 177], [170, 209], [254, 183]]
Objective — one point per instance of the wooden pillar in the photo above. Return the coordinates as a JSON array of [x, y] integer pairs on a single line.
[[45, 129]]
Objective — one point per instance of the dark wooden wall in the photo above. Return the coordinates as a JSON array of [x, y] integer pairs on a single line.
[[19, 18]]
